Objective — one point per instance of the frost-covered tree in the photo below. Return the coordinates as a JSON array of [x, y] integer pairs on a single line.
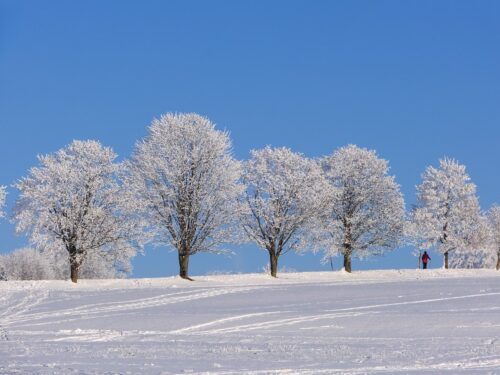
[[3, 195], [52, 264], [493, 216], [447, 211], [73, 200], [284, 192], [25, 264], [100, 264], [366, 213], [476, 250], [184, 182]]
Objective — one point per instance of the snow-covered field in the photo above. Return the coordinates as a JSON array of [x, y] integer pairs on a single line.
[[402, 322]]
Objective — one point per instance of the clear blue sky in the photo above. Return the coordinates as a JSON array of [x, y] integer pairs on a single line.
[[415, 80]]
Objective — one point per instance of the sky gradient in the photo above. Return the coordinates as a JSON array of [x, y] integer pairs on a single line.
[[414, 80]]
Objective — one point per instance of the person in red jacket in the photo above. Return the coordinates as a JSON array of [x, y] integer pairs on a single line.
[[425, 259]]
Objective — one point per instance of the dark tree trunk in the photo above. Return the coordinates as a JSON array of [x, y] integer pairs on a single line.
[[74, 262], [74, 273], [184, 266], [347, 261], [74, 267], [498, 261], [444, 238], [348, 245], [273, 261]]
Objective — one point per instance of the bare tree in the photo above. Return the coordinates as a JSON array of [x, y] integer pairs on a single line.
[[184, 182], [366, 212], [284, 192], [73, 200]]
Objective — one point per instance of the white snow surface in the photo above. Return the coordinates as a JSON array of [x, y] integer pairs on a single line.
[[382, 322]]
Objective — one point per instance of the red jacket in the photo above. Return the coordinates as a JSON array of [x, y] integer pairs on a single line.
[[425, 258]]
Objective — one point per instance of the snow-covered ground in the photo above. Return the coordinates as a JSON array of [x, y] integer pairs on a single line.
[[401, 322]]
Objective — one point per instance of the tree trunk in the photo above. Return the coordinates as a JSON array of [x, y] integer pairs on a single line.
[[273, 261], [498, 261], [444, 237], [74, 261], [184, 266], [347, 261], [348, 245], [74, 267]]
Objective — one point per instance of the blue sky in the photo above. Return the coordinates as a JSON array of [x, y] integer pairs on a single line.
[[414, 80]]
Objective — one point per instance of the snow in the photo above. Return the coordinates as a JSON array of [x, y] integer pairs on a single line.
[[388, 322]]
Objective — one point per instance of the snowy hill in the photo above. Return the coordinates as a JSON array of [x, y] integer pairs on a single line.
[[389, 322]]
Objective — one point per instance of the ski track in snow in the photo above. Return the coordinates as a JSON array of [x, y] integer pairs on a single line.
[[309, 318], [91, 310], [368, 323], [487, 364]]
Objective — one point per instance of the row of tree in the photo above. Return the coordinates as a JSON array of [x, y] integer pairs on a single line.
[[183, 188]]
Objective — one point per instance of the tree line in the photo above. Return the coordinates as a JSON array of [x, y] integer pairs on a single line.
[[183, 189]]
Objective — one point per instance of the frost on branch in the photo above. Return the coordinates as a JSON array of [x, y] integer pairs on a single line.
[[25, 264], [100, 264], [493, 216], [52, 264], [73, 201], [477, 250], [366, 212], [447, 212], [3, 195], [184, 182], [284, 192]]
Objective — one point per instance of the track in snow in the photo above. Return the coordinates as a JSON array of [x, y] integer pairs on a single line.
[[368, 322]]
